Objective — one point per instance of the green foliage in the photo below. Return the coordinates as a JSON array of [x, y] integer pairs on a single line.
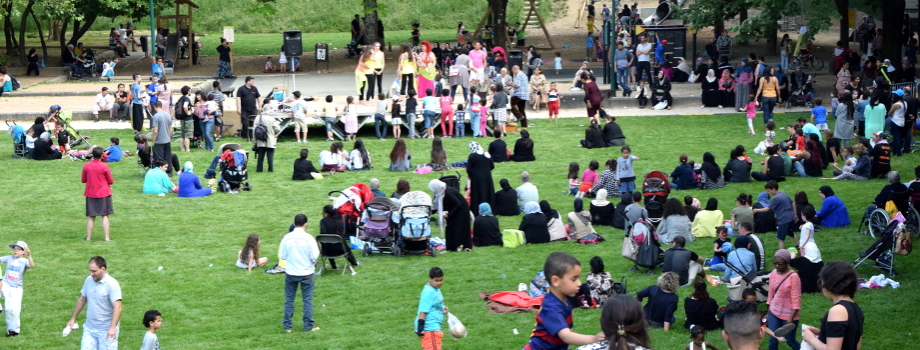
[[224, 307], [4, 59], [820, 15], [705, 13], [269, 44]]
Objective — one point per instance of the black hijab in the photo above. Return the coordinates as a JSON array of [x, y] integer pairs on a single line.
[[505, 185], [547, 210], [710, 167]]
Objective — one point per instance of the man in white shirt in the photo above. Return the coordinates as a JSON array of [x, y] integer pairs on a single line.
[[643, 57], [299, 250], [101, 294], [527, 192], [104, 103]]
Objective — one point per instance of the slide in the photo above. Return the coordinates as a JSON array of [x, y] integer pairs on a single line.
[[172, 50]]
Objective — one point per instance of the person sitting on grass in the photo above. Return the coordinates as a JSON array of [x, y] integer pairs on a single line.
[[533, 224], [157, 181], [114, 152], [303, 167], [505, 201], [189, 185], [701, 309], [579, 221], [43, 150], [523, 148], [333, 159], [402, 187], [662, 301], [249, 256], [498, 149], [486, 229], [400, 158]]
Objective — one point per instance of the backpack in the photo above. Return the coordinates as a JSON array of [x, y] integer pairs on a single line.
[[261, 131], [15, 82], [178, 110]]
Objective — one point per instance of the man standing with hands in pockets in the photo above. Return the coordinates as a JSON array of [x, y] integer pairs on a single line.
[[299, 250], [101, 294]]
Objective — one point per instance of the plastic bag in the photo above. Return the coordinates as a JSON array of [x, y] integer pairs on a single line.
[[457, 329]]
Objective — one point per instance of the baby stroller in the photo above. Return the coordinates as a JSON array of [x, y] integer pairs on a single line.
[[803, 94], [19, 140], [882, 251], [414, 224], [89, 62], [354, 48], [655, 190], [641, 247], [66, 117], [349, 204], [378, 227], [452, 180], [232, 166]]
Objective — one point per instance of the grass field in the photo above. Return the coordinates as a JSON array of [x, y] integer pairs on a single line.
[[224, 307]]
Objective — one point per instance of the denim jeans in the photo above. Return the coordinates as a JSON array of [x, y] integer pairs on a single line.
[[768, 104], [380, 125], [784, 61], [410, 124], [623, 79], [900, 139], [290, 291], [774, 323], [207, 128], [474, 124], [77, 69], [800, 168], [453, 92]]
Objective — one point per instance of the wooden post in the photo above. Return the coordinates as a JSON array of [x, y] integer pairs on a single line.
[[533, 11], [481, 22]]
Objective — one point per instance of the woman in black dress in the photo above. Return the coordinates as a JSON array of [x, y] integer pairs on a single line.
[[479, 170], [523, 148], [486, 230], [453, 214], [701, 309], [533, 224], [505, 201], [710, 86], [594, 136]]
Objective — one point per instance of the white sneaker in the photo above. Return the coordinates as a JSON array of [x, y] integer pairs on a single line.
[[703, 106], [575, 89]]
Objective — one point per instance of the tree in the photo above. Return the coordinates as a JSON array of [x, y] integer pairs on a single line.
[[843, 7], [498, 19], [370, 21], [763, 25], [892, 23], [711, 13]]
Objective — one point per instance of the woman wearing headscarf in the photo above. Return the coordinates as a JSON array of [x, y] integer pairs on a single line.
[[189, 186], [764, 221], [43, 149], [479, 167], [533, 224], [523, 148], [783, 82], [453, 215], [505, 202], [662, 91], [744, 76], [579, 221], [601, 209], [710, 85], [486, 230], [712, 177], [833, 212], [727, 89], [39, 126], [814, 166], [784, 298], [594, 136], [553, 222], [706, 220]]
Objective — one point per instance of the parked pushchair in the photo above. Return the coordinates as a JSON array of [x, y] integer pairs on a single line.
[[354, 48], [452, 181], [882, 251], [65, 117], [655, 190], [19, 140], [378, 227], [232, 164], [414, 224], [802, 95], [349, 204], [89, 62]]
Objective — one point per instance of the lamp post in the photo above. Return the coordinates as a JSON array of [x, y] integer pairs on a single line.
[[153, 36]]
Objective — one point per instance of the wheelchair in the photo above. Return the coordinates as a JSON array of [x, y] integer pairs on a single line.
[[876, 221]]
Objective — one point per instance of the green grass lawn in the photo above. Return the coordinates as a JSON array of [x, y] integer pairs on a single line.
[[224, 307]]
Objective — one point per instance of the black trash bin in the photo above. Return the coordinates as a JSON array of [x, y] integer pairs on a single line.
[[515, 58], [144, 46]]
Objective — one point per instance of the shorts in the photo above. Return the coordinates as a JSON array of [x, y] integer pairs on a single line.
[[431, 340], [188, 129], [501, 115], [821, 126], [586, 186], [627, 186], [98, 340], [329, 123], [428, 119], [396, 120], [783, 231], [99, 206], [300, 124], [553, 107], [589, 51]]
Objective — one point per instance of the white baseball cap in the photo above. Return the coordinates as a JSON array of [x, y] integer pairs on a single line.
[[20, 244]]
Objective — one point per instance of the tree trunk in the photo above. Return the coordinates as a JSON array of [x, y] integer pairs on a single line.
[[370, 22], [61, 37], [499, 12], [8, 26], [79, 31], [741, 18], [892, 21], [842, 9], [22, 32], [719, 26], [54, 30], [771, 40], [41, 35]]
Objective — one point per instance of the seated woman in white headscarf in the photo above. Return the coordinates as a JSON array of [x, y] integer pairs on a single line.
[[189, 185], [710, 85]]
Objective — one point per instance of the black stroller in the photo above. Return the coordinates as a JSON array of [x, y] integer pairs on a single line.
[[232, 164], [802, 95], [354, 48], [89, 62], [882, 251]]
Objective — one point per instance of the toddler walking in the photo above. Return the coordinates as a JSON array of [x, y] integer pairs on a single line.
[[552, 102], [751, 110], [768, 135], [447, 114], [625, 171], [819, 114], [558, 62]]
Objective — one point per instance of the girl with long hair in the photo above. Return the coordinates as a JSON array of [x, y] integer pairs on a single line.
[[846, 123], [249, 256], [359, 158], [400, 159], [438, 155]]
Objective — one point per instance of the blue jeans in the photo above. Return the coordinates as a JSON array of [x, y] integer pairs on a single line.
[[784, 61], [207, 128], [768, 104], [623, 79], [474, 124], [774, 323], [77, 69], [453, 92], [429, 119], [380, 125], [800, 168], [410, 124], [290, 291], [461, 126]]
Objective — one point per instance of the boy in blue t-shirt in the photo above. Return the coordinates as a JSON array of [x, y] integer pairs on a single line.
[[431, 311], [819, 114], [114, 152], [625, 171], [553, 330]]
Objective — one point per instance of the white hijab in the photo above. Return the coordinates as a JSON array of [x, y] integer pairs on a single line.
[[711, 75], [439, 188], [601, 198]]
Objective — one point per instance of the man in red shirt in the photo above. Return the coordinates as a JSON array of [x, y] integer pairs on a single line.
[[98, 179]]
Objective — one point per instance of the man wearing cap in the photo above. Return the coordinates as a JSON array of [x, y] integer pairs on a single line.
[[16, 266], [881, 155], [103, 103], [101, 295], [98, 179]]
